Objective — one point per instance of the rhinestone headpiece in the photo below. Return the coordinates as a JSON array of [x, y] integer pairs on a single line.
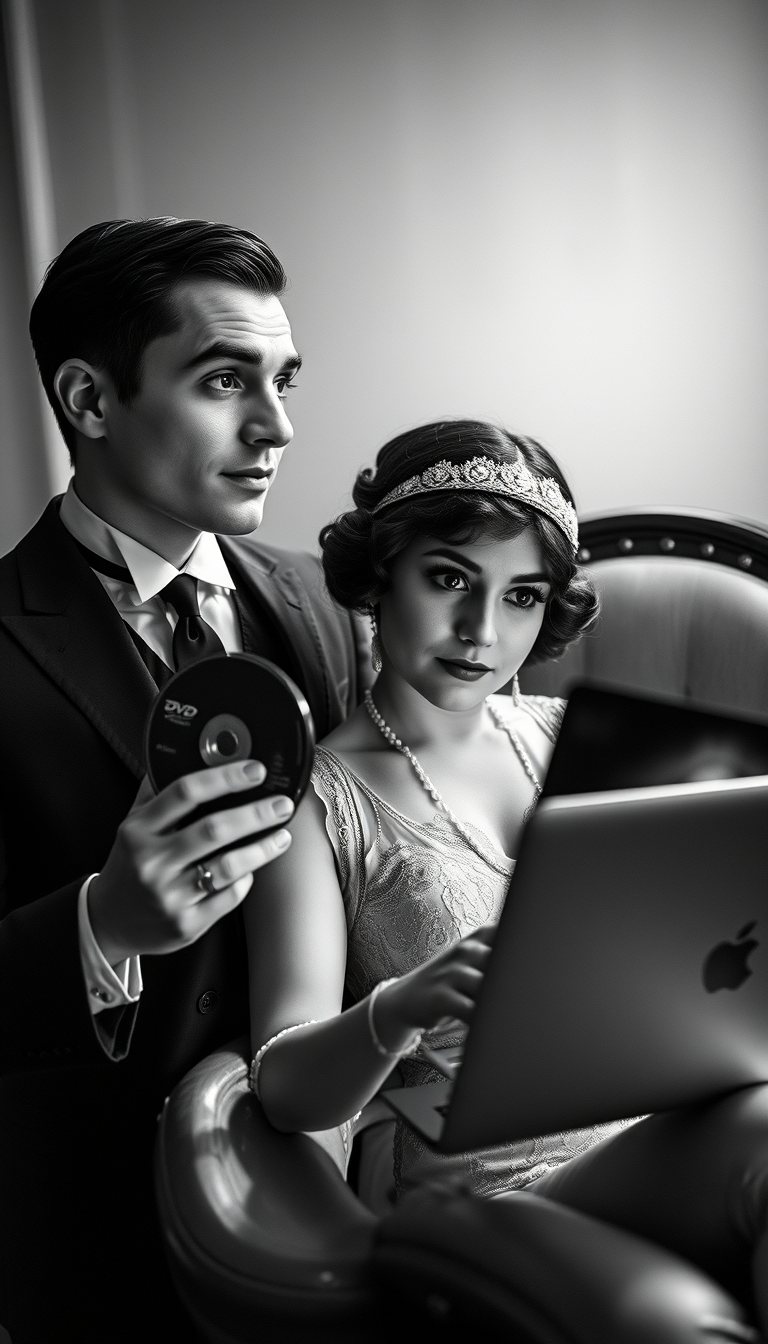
[[490, 477]]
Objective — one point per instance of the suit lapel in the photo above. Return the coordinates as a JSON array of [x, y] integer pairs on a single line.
[[69, 626], [282, 592]]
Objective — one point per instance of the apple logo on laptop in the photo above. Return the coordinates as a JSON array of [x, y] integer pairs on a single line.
[[726, 966]]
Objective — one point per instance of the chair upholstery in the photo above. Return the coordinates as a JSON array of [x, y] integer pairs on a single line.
[[524, 1270], [267, 1243], [260, 1227], [688, 620]]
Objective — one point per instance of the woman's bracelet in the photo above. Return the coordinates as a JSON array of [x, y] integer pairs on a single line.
[[253, 1072], [382, 1049], [256, 1063]]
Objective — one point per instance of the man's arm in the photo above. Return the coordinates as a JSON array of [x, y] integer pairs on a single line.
[[147, 899], [45, 1020], [106, 985]]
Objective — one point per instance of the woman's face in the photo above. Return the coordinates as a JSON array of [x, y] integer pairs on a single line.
[[458, 620]]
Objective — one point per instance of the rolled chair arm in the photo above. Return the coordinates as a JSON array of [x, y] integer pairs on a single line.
[[261, 1230]]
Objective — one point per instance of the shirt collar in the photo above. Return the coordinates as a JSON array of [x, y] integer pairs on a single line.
[[149, 572]]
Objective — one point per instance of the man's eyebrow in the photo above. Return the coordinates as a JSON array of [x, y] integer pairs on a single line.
[[238, 354], [460, 559]]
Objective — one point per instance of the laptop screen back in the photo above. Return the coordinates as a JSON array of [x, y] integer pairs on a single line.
[[614, 741]]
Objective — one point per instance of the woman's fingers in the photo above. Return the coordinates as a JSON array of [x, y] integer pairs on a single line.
[[473, 953], [466, 953], [461, 976], [464, 983], [435, 992], [454, 1004], [484, 934], [445, 987], [475, 945]]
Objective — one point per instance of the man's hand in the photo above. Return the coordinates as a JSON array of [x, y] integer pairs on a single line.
[[147, 897]]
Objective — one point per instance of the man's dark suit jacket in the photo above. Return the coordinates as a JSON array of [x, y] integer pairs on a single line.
[[78, 1116]]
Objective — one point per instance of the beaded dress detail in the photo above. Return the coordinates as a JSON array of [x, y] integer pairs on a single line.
[[410, 889]]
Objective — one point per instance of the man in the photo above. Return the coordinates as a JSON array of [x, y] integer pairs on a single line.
[[167, 357]]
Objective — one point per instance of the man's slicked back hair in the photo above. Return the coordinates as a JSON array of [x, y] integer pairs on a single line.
[[110, 292]]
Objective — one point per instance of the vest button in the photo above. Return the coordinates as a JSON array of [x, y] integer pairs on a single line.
[[207, 1001]]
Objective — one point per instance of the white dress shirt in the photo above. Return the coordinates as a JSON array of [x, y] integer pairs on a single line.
[[144, 610]]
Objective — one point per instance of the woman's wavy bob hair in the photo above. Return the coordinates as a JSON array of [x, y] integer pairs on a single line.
[[359, 548]]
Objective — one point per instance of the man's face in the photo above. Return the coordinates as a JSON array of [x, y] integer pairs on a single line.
[[201, 441]]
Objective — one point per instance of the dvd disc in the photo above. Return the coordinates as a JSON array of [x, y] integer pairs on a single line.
[[231, 708]]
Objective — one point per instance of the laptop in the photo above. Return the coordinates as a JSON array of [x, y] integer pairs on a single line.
[[611, 740], [629, 972]]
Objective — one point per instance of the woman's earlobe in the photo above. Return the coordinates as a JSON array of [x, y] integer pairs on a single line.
[[80, 390]]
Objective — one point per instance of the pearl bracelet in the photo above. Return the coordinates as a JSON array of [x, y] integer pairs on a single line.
[[253, 1072], [382, 1049]]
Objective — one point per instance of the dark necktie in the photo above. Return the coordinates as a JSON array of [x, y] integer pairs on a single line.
[[193, 638]]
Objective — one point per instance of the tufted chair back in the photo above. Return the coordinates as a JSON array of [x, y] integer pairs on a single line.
[[684, 611]]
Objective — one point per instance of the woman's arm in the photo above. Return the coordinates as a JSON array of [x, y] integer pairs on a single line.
[[321, 1075], [297, 945]]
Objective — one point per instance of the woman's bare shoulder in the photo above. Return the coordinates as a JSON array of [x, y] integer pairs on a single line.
[[545, 711], [535, 720], [354, 735]]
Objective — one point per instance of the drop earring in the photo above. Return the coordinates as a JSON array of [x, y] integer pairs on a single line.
[[515, 691], [375, 642]]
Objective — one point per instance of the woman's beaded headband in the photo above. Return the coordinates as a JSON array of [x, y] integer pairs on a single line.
[[489, 477]]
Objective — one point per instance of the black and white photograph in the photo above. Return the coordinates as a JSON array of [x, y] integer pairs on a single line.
[[384, 671]]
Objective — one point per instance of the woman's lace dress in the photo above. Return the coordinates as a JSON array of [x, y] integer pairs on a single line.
[[411, 889]]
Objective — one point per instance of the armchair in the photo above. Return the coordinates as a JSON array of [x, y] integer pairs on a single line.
[[265, 1237]]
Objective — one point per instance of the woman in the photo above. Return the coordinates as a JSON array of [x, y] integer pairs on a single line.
[[462, 548]]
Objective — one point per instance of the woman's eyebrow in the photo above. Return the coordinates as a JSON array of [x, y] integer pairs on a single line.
[[457, 558]]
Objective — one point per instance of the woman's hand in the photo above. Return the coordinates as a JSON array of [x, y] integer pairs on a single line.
[[444, 988]]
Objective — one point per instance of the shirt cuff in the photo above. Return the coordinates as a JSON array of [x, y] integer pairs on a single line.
[[108, 986]]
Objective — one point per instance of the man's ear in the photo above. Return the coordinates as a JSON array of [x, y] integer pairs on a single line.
[[82, 392]]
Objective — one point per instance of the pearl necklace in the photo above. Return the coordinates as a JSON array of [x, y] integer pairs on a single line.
[[426, 782]]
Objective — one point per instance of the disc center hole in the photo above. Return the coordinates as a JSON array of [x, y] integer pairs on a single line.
[[226, 743]]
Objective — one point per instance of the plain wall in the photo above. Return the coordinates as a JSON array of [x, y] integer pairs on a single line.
[[548, 213]]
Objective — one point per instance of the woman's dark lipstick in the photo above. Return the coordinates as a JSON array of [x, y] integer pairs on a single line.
[[463, 669]]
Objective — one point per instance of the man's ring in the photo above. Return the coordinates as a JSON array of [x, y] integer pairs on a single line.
[[205, 880]]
